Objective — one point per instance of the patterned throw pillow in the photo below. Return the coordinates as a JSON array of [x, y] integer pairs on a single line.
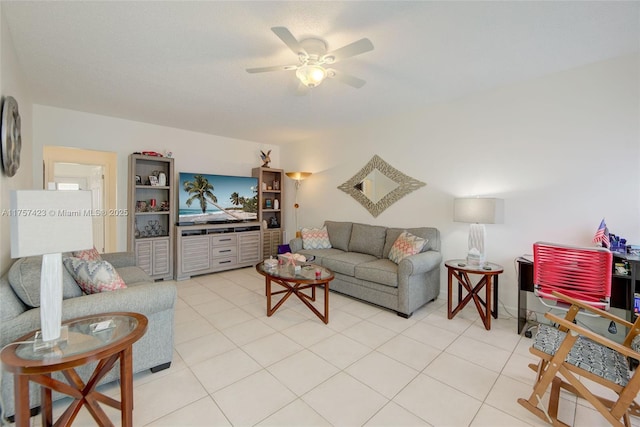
[[88, 254], [94, 276], [406, 244], [315, 238]]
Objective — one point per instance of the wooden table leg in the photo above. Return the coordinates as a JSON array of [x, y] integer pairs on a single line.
[[495, 297], [487, 323], [21, 397], [326, 303], [126, 386], [46, 405], [449, 293], [268, 292]]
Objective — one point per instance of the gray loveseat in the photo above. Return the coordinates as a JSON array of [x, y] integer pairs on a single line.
[[359, 259], [156, 300]]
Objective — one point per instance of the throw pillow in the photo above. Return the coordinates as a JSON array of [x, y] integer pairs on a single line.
[[88, 254], [24, 277], [94, 276], [315, 238], [339, 234], [406, 244], [368, 239]]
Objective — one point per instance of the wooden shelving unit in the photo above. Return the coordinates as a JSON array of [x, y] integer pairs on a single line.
[[270, 208], [152, 214]]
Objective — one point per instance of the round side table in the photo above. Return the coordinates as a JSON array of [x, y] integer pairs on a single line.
[[105, 338], [489, 272], [295, 281]]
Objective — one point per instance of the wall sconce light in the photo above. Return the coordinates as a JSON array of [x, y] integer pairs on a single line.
[[297, 177], [478, 211]]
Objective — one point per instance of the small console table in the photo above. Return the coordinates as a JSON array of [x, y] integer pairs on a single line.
[[106, 338], [459, 270]]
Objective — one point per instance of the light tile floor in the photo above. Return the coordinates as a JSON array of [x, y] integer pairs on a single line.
[[233, 365]]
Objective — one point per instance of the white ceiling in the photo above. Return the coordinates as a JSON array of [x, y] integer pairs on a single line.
[[182, 64]]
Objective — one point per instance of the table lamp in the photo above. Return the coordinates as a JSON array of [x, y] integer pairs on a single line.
[[47, 223], [478, 211], [297, 177]]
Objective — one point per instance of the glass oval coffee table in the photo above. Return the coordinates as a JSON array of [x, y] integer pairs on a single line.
[[295, 281], [105, 338]]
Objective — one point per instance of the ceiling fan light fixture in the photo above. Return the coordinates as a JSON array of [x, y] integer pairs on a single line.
[[311, 75], [313, 58]]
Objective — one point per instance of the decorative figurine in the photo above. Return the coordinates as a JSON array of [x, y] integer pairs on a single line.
[[265, 158]]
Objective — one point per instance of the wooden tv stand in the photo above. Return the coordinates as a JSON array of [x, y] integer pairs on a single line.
[[207, 248]]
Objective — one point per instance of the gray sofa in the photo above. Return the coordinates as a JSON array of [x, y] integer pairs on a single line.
[[359, 259], [156, 300]]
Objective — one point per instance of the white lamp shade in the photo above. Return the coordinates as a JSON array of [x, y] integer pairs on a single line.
[[46, 222], [478, 210]]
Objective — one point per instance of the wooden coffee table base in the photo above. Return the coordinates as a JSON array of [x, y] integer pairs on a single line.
[[297, 288]]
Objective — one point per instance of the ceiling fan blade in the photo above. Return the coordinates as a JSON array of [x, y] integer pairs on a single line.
[[274, 68], [285, 35], [353, 49], [346, 79]]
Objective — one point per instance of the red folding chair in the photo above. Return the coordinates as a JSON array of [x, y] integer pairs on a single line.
[[583, 274]]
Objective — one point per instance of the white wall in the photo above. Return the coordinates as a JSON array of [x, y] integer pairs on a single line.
[[563, 151], [193, 151], [12, 84]]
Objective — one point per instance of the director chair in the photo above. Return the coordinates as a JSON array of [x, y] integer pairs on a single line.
[[570, 353], [580, 280]]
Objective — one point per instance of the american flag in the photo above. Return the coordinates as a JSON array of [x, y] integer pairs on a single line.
[[602, 235]]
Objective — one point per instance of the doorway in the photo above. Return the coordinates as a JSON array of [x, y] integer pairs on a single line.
[[74, 176], [87, 170]]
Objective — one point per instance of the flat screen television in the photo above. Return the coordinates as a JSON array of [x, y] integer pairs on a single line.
[[209, 199]]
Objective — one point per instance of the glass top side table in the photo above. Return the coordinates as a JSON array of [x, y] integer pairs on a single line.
[[85, 334], [459, 270], [106, 338]]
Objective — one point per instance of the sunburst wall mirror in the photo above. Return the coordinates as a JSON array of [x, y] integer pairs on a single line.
[[378, 185]]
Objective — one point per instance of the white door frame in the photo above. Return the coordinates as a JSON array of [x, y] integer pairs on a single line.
[[108, 160]]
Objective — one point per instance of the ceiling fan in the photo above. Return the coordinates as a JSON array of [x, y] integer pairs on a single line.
[[313, 59]]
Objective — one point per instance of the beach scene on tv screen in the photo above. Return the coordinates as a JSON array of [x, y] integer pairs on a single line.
[[206, 198]]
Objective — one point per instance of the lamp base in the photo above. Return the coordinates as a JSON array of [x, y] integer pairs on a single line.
[[475, 260], [40, 346], [476, 254]]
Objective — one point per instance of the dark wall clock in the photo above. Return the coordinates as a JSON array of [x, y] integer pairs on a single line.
[[11, 137]]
